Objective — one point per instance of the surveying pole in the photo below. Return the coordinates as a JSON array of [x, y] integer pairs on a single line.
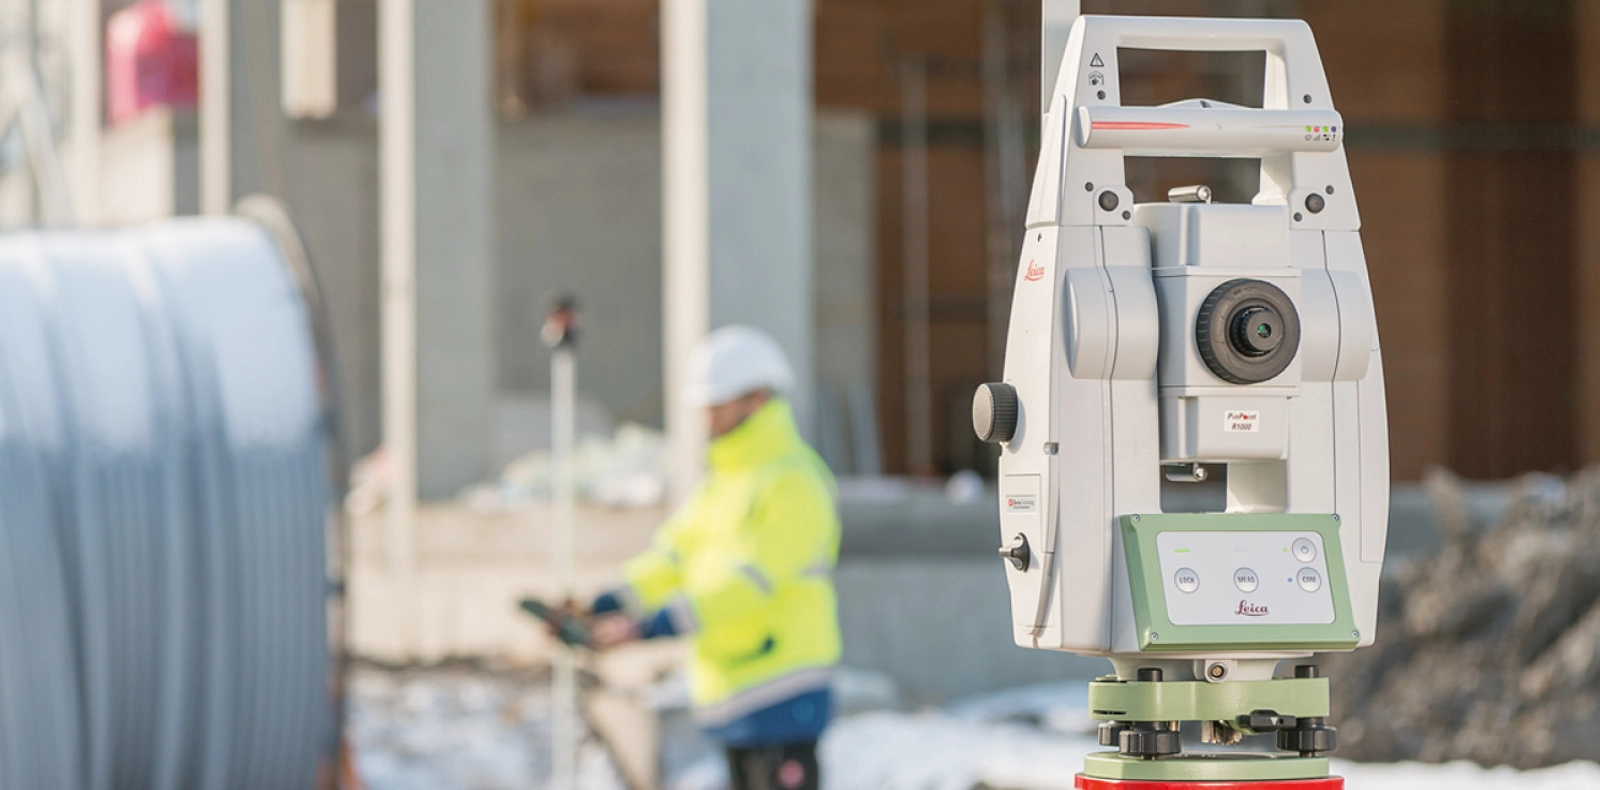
[[560, 334]]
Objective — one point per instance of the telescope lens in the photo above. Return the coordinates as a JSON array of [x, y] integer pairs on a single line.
[[1247, 331], [1257, 330]]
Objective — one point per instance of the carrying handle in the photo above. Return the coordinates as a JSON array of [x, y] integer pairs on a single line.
[[1186, 34], [1294, 78]]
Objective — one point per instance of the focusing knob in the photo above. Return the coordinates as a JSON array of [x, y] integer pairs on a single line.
[[994, 412]]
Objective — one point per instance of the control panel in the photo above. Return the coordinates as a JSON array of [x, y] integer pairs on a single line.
[[1210, 582], [1237, 578]]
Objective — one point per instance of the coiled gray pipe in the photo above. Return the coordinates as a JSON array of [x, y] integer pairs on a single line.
[[166, 511]]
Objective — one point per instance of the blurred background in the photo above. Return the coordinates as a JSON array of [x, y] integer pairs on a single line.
[[851, 175]]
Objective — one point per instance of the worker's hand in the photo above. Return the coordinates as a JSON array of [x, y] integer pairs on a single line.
[[613, 630]]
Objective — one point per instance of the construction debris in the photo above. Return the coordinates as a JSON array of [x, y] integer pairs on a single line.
[[1489, 649]]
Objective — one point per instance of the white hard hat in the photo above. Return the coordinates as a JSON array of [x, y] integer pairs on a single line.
[[735, 361]]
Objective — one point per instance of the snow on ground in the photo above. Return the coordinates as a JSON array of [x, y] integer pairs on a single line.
[[938, 751], [463, 729], [458, 729]]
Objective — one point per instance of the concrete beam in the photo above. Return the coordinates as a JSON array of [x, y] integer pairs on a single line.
[[737, 115], [86, 44]]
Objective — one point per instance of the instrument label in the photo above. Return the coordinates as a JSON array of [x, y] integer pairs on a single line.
[[1022, 504], [1241, 421]]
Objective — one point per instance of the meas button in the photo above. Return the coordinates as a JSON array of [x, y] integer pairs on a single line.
[[1309, 579], [1304, 550], [1187, 580], [1245, 579]]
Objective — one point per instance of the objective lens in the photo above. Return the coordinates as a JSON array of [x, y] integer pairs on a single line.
[[1255, 330]]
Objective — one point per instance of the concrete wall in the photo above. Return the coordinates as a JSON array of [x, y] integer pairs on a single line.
[[941, 627], [331, 184], [578, 203]]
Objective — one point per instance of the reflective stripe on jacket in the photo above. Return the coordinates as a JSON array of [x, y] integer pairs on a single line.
[[745, 567]]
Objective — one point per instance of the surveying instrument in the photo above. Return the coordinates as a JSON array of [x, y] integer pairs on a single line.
[[1194, 476]]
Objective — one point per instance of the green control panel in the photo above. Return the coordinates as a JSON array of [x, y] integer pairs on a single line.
[[1238, 581]]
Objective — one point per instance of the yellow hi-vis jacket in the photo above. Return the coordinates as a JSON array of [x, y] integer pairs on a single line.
[[745, 568]]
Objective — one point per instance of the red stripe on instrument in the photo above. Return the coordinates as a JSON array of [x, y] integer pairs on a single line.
[[1136, 126]]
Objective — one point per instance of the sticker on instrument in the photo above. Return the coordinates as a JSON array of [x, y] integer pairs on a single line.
[[1241, 422], [1022, 504]]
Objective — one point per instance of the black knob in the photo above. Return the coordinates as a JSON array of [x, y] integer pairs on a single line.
[[1111, 732], [1310, 737], [1157, 741], [1260, 721], [994, 412]]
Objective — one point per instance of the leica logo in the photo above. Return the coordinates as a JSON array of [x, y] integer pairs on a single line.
[[1035, 272], [1247, 609]]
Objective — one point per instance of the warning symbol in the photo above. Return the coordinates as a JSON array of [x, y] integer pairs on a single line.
[[1097, 63]]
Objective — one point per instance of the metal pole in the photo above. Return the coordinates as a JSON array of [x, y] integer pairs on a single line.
[[563, 412], [560, 333], [1058, 18]]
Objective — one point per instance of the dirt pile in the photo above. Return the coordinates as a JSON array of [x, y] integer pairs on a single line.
[[1488, 650]]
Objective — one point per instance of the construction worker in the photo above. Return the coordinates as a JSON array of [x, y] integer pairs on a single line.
[[743, 571]]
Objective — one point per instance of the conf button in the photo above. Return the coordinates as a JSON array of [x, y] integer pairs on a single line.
[[1187, 580], [1245, 579], [1309, 579]]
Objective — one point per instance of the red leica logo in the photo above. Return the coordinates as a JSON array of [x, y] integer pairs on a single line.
[[1011, 503], [1035, 272], [1247, 609]]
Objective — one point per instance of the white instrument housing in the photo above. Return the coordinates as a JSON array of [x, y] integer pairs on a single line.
[[1111, 388]]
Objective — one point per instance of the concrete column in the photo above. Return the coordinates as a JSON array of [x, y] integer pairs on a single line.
[[438, 247], [737, 117], [86, 45], [216, 127]]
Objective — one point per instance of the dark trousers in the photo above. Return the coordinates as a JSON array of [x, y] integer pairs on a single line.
[[792, 766]]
